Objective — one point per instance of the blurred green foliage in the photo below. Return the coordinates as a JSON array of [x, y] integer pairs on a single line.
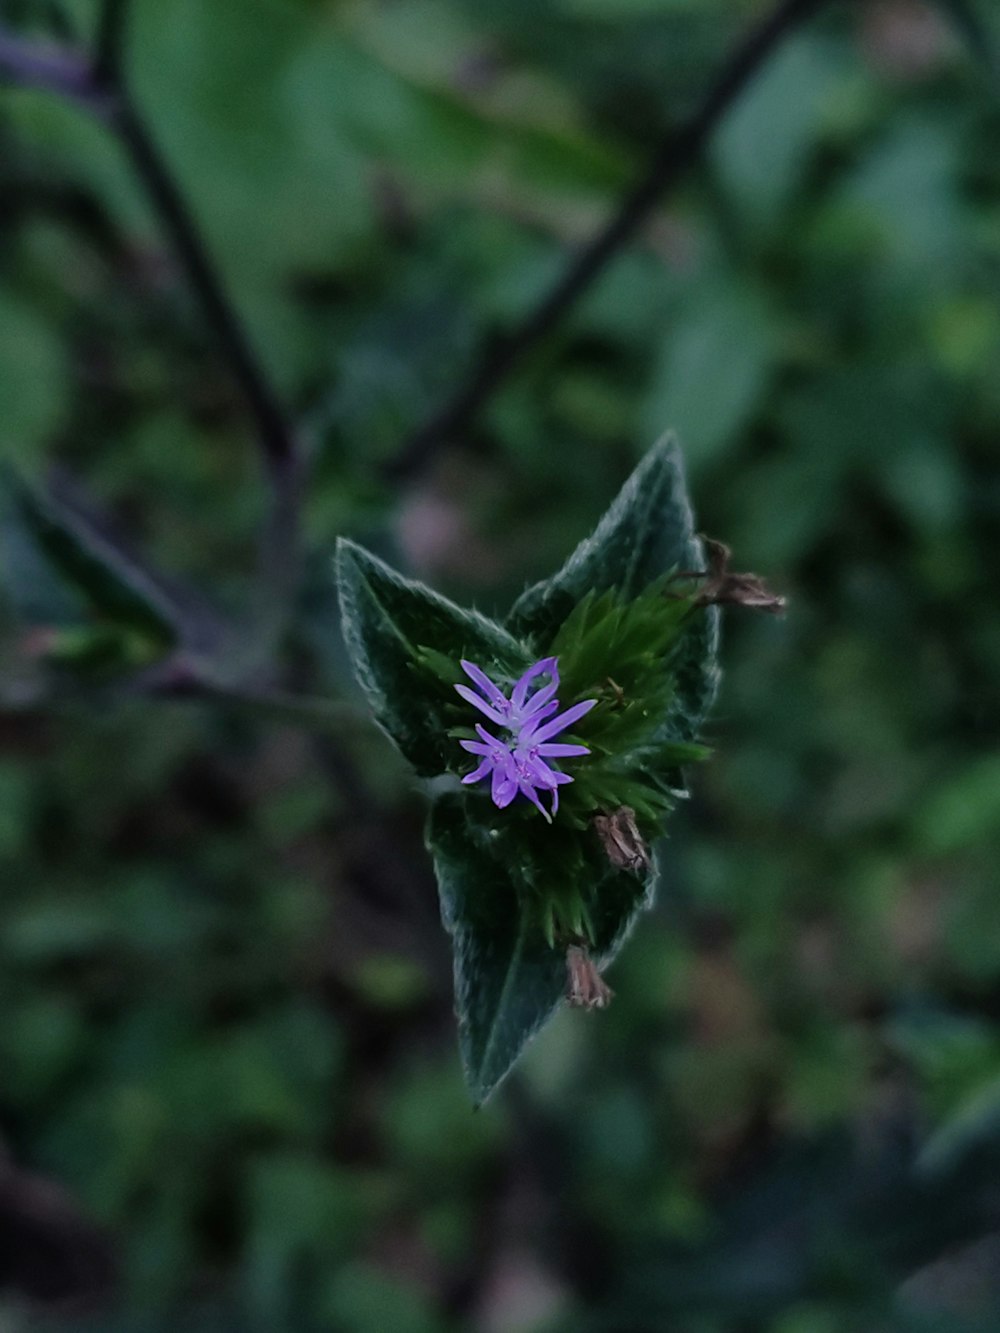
[[227, 1030]]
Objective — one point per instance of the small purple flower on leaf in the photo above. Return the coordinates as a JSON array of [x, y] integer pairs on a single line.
[[519, 708], [519, 763]]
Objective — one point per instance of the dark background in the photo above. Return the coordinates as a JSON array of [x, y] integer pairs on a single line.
[[229, 1083]]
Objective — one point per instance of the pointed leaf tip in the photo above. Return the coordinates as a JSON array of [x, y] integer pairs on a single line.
[[509, 977], [648, 531]]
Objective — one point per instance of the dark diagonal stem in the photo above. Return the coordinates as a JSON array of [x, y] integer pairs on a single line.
[[675, 155], [109, 49], [100, 86], [275, 435]]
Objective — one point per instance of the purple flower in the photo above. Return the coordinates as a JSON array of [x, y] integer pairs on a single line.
[[519, 708], [519, 763]]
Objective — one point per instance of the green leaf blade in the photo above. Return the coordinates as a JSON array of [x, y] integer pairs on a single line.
[[508, 981], [648, 531], [696, 677]]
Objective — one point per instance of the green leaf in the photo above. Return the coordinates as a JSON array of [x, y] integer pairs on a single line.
[[696, 679], [713, 367], [34, 379], [962, 811], [397, 633], [904, 199], [974, 1126], [763, 145], [508, 979], [648, 532]]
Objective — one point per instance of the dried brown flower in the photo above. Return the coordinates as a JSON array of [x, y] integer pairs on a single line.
[[622, 841], [722, 587], [585, 987]]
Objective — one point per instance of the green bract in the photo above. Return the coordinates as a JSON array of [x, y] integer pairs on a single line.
[[518, 894]]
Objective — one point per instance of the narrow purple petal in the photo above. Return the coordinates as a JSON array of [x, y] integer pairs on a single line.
[[491, 741], [532, 717], [557, 724], [472, 698], [479, 773], [536, 704], [493, 692], [475, 747], [546, 667], [532, 796], [559, 749], [546, 777]]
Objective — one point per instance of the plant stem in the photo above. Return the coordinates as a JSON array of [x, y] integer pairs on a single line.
[[671, 160], [274, 434], [100, 87], [109, 49]]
